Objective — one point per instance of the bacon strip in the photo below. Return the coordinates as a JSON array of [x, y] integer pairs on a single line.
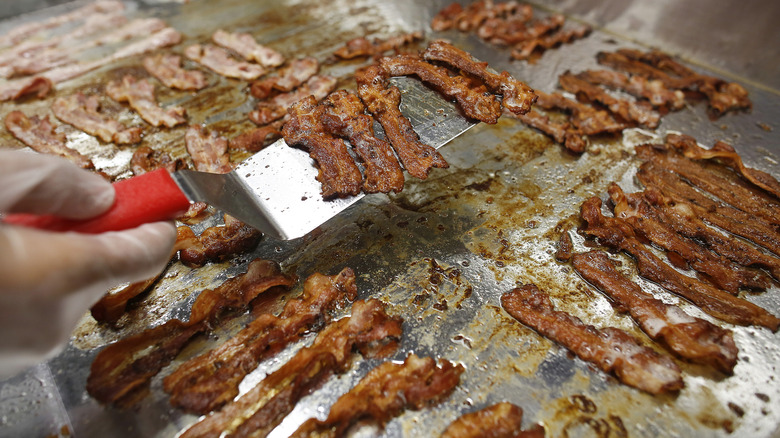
[[526, 50], [256, 138], [638, 86], [167, 69], [501, 420], [20, 88], [343, 115], [362, 47], [562, 133], [146, 159], [112, 305], [611, 349], [615, 233], [38, 133], [588, 120], [82, 112], [482, 15], [207, 382], [517, 96], [209, 151], [245, 45], [369, 329], [267, 112], [385, 392], [530, 30], [287, 78], [691, 338], [215, 243], [122, 371], [139, 94], [220, 61], [382, 101]]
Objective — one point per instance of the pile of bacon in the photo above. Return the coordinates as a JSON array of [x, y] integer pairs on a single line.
[[510, 24], [695, 203], [323, 127]]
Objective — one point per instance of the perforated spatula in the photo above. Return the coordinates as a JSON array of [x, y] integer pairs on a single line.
[[275, 190]]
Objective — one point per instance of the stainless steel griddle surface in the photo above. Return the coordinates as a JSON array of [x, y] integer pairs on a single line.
[[440, 253]]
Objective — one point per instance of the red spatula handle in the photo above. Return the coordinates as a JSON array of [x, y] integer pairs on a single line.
[[150, 197]]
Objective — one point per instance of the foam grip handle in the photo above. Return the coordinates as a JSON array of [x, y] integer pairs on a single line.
[[146, 198]]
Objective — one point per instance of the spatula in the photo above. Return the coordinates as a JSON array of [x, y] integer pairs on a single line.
[[275, 190]]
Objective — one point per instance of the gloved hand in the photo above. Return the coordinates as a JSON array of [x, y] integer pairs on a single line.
[[49, 279]]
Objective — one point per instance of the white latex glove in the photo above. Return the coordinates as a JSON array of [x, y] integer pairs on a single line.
[[49, 279]]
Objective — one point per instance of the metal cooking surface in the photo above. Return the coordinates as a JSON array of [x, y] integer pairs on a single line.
[[440, 253]]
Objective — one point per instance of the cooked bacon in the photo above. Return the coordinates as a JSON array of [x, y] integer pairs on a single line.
[[694, 339], [611, 349], [720, 271], [382, 101], [146, 159], [82, 112], [343, 115], [255, 139], [517, 96], [207, 382], [640, 112], [136, 28], [638, 86], [209, 150], [20, 88], [385, 392], [526, 50], [513, 20], [287, 79], [167, 69], [39, 134], [276, 108], [215, 243], [112, 305], [588, 120], [565, 247], [501, 420], [474, 101], [42, 61], [481, 14], [369, 330], [122, 371], [139, 94], [615, 233], [619, 61], [220, 61], [529, 30], [245, 45], [362, 47], [562, 133], [338, 173]]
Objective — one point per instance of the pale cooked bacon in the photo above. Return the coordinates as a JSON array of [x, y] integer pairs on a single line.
[[517, 96], [168, 70], [640, 112], [215, 243], [81, 111], [588, 120], [694, 339], [146, 159], [207, 382], [369, 330], [344, 115], [245, 45], [382, 101], [40, 135], [136, 28], [112, 305], [362, 47], [528, 50], [276, 108], [255, 139], [20, 88], [220, 61], [615, 233], [562, 132], [139, 94], [287, 78], [208, 150], [338, 173], [121, 372], [385, 392], [45, 60], [611, 349], [501, 420], [638, 86], [474, 101], [720, 271]]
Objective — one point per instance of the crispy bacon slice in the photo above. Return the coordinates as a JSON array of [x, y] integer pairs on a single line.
[[502, 19], [638, 86], [256, 138], [369, 330], [209, 150], [276, 108], [621, 62], [112, 305], [528, 50], [287, 78], [562, 133], [139, 94], [481, 14], [207, 382], [215, 243], [385, 392], [611, 349], [361, 47], [82, 112], [517, 96], [501, 420], [146, 159], [474, 101], [615, 233], [219, 60], [588, 120], [517, 32], [640, 112], [343, 115], [338, 173], [122, 371], [245, 45], [168, 70], [382, 101], [39, 134], [694, 339]]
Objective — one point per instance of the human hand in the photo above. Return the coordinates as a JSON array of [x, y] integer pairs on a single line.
[[49, 279]]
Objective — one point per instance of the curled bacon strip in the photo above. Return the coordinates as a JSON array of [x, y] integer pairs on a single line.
[[215, 243], [501, 420]]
